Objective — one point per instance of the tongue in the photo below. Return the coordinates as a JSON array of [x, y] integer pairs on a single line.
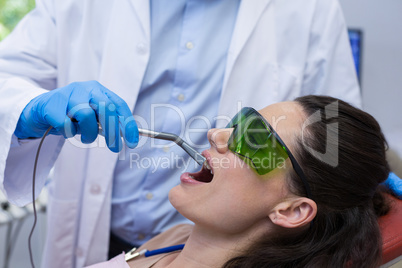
[[204, 175]]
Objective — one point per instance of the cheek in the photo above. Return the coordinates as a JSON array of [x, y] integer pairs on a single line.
[[238, 206]]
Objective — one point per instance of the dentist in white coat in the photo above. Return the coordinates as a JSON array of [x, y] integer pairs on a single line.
[[276, 50]]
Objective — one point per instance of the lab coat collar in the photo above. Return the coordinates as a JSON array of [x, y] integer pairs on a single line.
[[248, 15]]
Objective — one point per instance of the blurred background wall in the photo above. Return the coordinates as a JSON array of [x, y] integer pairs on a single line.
[[381, 24], [381, 81]]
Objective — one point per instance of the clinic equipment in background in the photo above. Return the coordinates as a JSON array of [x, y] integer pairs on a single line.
[[13, 218]]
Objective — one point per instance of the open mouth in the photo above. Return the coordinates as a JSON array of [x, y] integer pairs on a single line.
[[205, 175]]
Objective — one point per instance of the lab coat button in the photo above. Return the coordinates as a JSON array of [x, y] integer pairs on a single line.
[[141, 48], [189, 45], [95, 189], [181, 97], [149, 196]]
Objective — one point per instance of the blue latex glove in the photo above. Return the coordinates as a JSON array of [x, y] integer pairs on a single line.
[[77, 108], [394, 183]]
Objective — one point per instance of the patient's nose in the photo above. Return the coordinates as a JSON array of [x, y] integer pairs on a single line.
[[218, 138]]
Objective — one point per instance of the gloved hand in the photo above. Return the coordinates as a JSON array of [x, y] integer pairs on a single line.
[[394, 183], [77, 108]]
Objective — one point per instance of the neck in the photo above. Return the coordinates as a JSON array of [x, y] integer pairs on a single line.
[[205, 248]]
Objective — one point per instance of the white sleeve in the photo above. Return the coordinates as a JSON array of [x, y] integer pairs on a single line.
[[330, 69], [27, 69]]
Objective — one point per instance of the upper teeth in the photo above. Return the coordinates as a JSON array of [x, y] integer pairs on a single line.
[[206, 165]]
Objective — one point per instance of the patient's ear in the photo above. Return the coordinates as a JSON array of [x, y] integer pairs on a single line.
[[293, 213]]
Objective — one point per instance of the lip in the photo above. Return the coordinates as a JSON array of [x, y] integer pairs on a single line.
[[186, 179]]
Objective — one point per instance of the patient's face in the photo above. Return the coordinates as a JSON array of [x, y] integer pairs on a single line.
[[237, 199]]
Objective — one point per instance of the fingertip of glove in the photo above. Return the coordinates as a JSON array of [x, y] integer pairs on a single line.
[[116, 146], [132, 145], [131, 136], [87, 140]]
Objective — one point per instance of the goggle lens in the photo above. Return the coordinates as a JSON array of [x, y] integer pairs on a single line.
[[255, 142]]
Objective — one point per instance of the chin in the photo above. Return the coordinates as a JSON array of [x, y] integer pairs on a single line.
[[174, 196], [180, 201]]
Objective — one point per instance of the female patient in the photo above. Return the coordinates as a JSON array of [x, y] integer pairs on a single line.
[[290, 186]]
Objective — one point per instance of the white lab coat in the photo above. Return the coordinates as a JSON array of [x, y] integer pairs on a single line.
[[280, 49]]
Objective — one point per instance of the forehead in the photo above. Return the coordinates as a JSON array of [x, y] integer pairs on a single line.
[[286, 118]]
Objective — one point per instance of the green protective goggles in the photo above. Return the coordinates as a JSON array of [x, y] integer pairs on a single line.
[[255, 141]]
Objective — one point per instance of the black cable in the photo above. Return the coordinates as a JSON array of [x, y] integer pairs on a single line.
[[33, 196]]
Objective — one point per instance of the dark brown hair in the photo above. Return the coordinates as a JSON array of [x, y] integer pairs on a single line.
[[345, 232]]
